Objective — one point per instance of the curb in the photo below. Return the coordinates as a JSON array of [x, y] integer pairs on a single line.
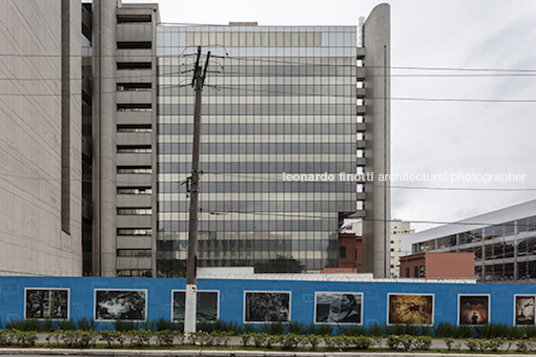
[[215, 353]]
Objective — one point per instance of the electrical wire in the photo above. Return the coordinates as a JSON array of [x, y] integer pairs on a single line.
[[398, 98], [464, 69], [403, 99], [505, 71], [283, 214], [255, 176]]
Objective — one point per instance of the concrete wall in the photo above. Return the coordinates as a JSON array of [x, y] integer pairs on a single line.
[[104, 138], [108, 31], [302, 289], [377, 63], [36, 195], [450, 265]]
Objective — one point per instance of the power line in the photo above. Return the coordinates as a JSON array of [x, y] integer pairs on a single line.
[[461, 100], [521, 101], [514, 72], [190, 24], [474, 189], [252, 176], [464, 69], [465, 188], [403, 99], [54, 55], [288, 214], [463, 75], [406, 75], [177, 74], [397, 98]]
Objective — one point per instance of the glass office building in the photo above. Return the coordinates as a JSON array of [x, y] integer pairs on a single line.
[[503, 241], [276, 100]]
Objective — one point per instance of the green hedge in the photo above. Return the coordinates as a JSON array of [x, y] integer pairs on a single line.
[[441, 330]]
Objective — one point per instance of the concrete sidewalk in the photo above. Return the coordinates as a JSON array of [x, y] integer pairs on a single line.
[[233, 350]]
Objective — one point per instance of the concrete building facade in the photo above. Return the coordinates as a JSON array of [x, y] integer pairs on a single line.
[[92, 173], [377, 84], [40, 148], [123, 135], [399, 229]]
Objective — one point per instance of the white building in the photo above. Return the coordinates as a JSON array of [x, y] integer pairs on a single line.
[[399, 229], [503, 241]]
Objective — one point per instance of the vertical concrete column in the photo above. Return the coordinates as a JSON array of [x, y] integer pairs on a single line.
[[104, 137], [154, 178], [71, 126], [66, 56], [376, 225]]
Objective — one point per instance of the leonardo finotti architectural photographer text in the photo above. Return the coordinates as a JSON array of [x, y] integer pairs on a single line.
[[408, 177]]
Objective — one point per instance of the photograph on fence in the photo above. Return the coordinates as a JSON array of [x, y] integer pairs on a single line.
[[413, 309], [524, 309], [266, 306], [473, 309], [207, 305], [120, 304], [338, 307], [46, 303]]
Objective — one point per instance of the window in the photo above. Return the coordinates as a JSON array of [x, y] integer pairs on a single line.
[[134, 107], [141, 211], [134, 231], [134, 65], [343, 252], [133, 18], [133, 86], [127, 149], [407, 272], [133, 45], [416, 272], [134, 190], [140, 128], [421, 268], [134, 169]]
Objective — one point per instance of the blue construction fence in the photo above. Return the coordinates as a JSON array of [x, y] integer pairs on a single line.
[[263, 301]]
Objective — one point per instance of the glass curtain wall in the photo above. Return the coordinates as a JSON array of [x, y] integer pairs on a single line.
[[503, 252], [276, 100]]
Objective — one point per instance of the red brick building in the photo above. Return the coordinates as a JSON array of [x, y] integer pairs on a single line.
[[451, 265], [350, 255]]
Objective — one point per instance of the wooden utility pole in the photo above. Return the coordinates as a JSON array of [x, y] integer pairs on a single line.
[[190, 308]]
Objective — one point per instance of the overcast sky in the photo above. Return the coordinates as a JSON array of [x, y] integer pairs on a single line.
[[481, 131]]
